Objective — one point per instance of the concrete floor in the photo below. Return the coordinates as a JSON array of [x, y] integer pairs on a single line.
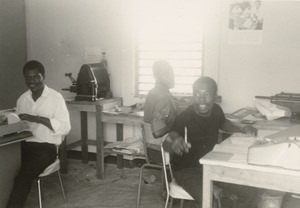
[[117, 190], [84, 190]]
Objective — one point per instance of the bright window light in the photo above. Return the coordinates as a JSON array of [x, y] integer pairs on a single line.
[[171, 30]]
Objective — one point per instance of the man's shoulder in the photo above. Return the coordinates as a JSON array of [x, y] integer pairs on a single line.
[[155, 92], [156, 96], [24, 95], [54, 93]]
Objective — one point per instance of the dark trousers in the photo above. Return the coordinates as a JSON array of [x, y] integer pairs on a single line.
[[191, 181], [35, 158]]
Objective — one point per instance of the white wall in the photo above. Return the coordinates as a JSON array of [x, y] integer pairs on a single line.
[[59, 31], [266, 69]]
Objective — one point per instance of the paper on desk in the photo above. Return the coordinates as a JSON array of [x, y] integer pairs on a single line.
[[242, 139], [237, 145], [270, 110]]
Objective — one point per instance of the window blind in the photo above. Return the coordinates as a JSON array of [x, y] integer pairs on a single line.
[[170, 30]]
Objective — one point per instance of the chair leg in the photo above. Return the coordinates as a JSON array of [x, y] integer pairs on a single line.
[[234, 203], [167, 201], [162, 179], [171, 202], [139, 189], [219, 203], [40, 192], [62, 188], [181, 203]]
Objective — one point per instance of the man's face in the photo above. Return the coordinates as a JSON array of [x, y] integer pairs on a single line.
[[203, 99], [34, 80], [166, 77]]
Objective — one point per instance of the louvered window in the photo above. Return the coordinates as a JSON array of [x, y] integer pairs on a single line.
[[171, 30]]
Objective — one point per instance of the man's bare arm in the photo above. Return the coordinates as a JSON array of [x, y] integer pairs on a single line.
[[232, 127]]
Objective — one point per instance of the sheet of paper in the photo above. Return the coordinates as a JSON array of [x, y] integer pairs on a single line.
[[292, 131]]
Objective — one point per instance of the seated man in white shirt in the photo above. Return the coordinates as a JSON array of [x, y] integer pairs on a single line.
[[46, 113]]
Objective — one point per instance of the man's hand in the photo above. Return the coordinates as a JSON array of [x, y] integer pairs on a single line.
[[29, 118], [249, 130], [175, 143], [179, 146]]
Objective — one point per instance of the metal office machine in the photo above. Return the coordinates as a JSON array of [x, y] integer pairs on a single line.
[[289, 100], [92, 83]]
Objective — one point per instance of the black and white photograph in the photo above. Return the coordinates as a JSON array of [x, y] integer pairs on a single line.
[[246, 15], [149, 104]]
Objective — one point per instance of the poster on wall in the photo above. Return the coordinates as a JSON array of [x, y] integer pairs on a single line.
[[246, 22]]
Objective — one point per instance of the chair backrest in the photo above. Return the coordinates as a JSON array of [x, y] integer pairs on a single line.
[[166, 165], [147, 137]]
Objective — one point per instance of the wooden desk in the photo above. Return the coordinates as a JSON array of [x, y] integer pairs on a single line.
[[219, 166], [134, 119], [84, 107], [10, 162]]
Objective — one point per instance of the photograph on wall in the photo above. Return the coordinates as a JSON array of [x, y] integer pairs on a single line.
[[246, 22], [246, 15]]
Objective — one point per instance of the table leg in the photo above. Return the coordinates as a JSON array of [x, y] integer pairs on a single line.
[[63, 157], [84, 136], [207, 192], [99, 143], [119, 138]]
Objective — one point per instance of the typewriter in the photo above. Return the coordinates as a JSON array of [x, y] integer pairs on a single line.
[[270, 152], [12, 129], [289, 100]]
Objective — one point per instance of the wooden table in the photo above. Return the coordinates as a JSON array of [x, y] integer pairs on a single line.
[[133, 119], [220, 166], [84, 107]]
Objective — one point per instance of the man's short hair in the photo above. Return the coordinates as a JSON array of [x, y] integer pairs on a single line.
[[205, 80], [159, 66], [33, 64]]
